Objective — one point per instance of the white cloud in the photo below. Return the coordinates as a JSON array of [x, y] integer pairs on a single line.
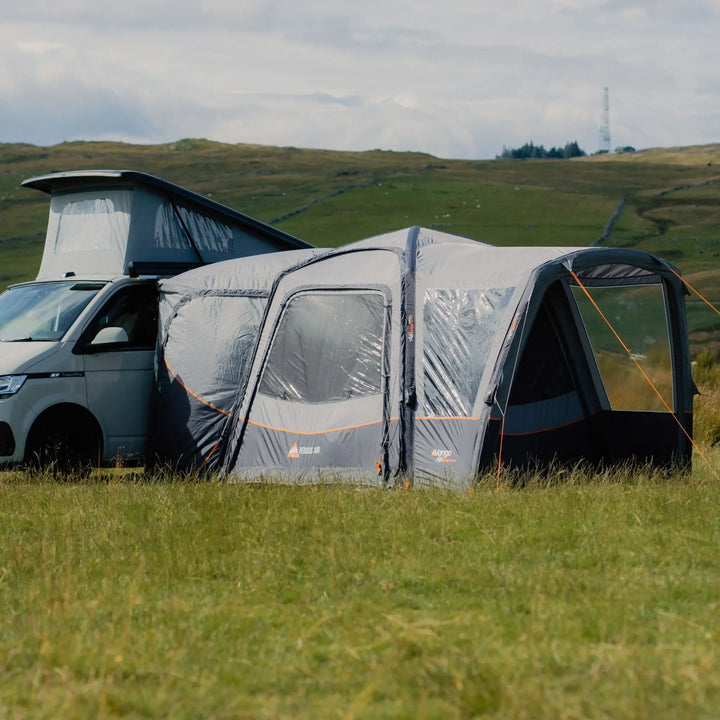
[[38, 47], [446, 78]]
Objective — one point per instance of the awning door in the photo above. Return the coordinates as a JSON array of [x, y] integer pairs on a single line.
[[320, 406]]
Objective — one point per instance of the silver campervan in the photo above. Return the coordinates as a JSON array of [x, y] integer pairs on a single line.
[[77, 344]]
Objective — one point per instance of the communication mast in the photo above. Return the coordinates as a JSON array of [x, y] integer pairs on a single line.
[[605, 123]]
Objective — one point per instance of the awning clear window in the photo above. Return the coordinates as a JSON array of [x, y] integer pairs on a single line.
[[459, 328], [327, 348], [637, 314]]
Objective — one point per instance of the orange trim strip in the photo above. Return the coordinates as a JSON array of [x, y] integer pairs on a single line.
[[190, 392], [542, 430], [554, 427], [475, 419], [267, 427], [318, 432]]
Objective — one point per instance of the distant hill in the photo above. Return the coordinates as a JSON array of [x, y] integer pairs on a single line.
[[664, 200], [690, 155]]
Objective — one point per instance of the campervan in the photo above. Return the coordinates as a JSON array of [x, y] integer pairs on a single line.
[[77, 343]]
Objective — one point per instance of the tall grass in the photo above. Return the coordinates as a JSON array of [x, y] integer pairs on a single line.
[[576, 596], [706, 374]]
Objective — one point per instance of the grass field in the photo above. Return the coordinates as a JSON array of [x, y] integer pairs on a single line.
[[566, 595], [574, 597]]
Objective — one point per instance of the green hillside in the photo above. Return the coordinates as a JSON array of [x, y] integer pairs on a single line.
[[665, 201]]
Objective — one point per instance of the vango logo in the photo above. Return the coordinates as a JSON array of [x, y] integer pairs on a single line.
[[296, 452], [444, 456]]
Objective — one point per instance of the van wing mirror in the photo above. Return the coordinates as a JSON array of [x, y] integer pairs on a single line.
[[110, 335]]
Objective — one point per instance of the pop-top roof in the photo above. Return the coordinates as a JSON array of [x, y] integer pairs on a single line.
[[114, 222]]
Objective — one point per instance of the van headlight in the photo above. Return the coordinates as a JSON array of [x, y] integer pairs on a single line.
[[10, 384]]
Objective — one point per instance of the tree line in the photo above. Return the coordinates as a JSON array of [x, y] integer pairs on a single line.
[[530, 150]]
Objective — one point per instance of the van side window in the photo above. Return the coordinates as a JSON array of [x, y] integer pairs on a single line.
[[134, 309]]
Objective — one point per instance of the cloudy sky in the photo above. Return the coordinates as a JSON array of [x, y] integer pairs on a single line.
[[455, 78]]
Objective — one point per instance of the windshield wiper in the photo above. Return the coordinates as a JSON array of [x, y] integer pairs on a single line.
[[25, 339]]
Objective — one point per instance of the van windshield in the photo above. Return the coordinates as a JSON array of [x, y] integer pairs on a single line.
[[43, 311]]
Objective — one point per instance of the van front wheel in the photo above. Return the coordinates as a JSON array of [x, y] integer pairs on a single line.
[[65, 443]]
